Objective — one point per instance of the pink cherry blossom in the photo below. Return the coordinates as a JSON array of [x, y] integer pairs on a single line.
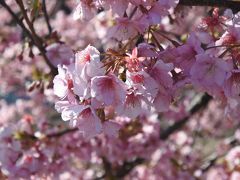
[[89, 123], [134, 105], [232, 84], [233, 157], [85, 10], [144, 89], [108, 90], [111, 128], [62, 82], [88, 64], [160, 73], [187, 52], [209, 73], [117, 6], [146, 50], [59, 54], [143, 82], [71, 112], [133, 61], [162, 100], [124, 29]]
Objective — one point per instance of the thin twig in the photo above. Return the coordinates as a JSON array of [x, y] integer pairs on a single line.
[[29, 23], [175, 43], [133, 12], [34, 39], [213, 158], [61, 133], [18, 21], [46, 16], [156, 41], [223, 45], [33, 35]]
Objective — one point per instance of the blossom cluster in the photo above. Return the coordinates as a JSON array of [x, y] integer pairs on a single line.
[[145, 81], [142, 89]]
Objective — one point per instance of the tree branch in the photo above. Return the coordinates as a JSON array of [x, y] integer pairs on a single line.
[[196, 107], [213, 158], [61, 133], [202, 103], [30, 33], [46, 16], [234, 5], [18, 21], [37, 40]]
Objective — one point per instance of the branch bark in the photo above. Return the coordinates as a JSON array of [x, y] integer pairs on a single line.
[[213, 158], [44, 8], [18, 21], [196, 107], [61, 133], [232, 4], [202, 103], [37, 40], [31, 33]]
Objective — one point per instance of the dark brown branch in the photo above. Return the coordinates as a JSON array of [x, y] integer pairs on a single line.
[[61, 133], [30, 33], [212, 159], [18, 21], [37, 40], [195, 108], [46, 16], [199, 105], [127, 167], [60, 5], [234, 5]]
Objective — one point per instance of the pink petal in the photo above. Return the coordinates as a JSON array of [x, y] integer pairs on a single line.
[[111, 128]]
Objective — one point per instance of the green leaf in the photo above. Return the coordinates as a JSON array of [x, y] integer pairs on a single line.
[[36, 7]]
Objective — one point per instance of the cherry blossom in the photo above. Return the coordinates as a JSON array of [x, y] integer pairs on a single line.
[[209, 73], [119, 89], [59, 54]]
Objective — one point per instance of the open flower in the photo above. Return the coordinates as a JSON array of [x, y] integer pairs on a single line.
[[133, 61], [89, 123], [62, 83], [187, 52], [59, 54], [160, 73], [133, 105], [209, 73], [232, 85], [87, 66], [85, 10], [108, 90], [125, 29]]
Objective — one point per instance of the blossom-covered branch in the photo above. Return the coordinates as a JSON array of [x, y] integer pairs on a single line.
[[30, 33], [142, 89]]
